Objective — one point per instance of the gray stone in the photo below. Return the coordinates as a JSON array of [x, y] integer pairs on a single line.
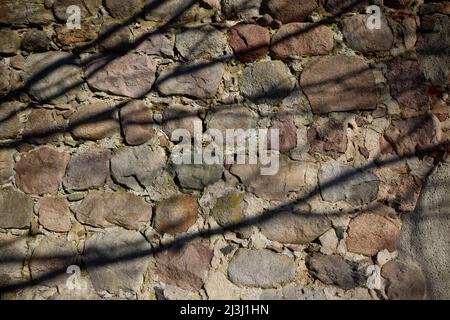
[[35, 41], [241, 9], [16, 209], [424, 234], [405, 280], [11, 124], [87, 169], [153, 42], [295, 227], [6, 165], [106, 209], [131, 75], [53, 76], [266, 82], [231, 117], [176, 11], [261, 268], [363, 39], [54, 213], [342, 182], [89, 8], [123, 9], [137, 167], [291, 10], [22, 12], [11, 269], [108, 267], [293, 292], [10, 41], [199, 79], [335, 83], [43, 126], [115, 37], [137, 122], [202, 41], [180, 117], [198, 176]]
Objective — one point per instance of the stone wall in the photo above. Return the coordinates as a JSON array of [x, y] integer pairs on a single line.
[[87, 179]]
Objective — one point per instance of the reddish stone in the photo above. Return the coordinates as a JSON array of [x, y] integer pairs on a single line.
[[136, 120], [405, 191], [329, 138], [398, 4], [54, 213], [249, 41], [405, 280], [287, 134], [291, 10]]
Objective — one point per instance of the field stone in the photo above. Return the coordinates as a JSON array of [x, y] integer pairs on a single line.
[[302, 39], [249, 41], [240, 9], [10, 41], [22, 12], [137, 122], [12, 246], [335, 83], [329, 138], [291, 10], [89, 8], [54, 213], [198, 176], [6, 165], [229, 209], [180, 117], [176, 214], [405, 280], [287, 134], [116, 37], [227, 117], [35, 41], [107, 266], [202, 41], [16, 209], [41, 170], [340, 7], [153, 41], [87, 169], [4, 78], [123, 9], [106, 209], [43, 126], [185, 267], [266, 82], [260, 268], [175, 11]]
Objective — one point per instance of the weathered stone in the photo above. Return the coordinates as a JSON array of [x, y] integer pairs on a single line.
[[342, 182], [302, 39], [198, 176], [153, 41], [106, 209], [398, 4], [108, 267], [405, 280], [185, 267], [231, 117], [123, 9], [11, 124], [88, 8], [291, 10], [249, 41], [176, 214], [202, 41], [50, 259], [414, 134], [287, 134], [53, 76], [229, 209], [6, 165], [340, 7], [10, 41], [363, 39], [11, 269], [240, 9], [72, 37], [424, 234], [335, 83], [329, 138], [4, 78], [261, 268], [22, 12], [404, 192], [180, 117], [266, 82], [331, 269], [87, 169], [54, 213], [41, 170], [115, 37], [370, 233], [35, 41], [291, 177], [137, 122], [16, 209], [43, 126], [137, 167], [199, 80], [131, 75], [175, 11], [407, 84], [94, 121], [436, 7]]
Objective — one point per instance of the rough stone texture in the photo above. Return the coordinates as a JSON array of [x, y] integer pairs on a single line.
[[249, 41], [16, 209], [43, 126], [229, 209], [106, 209], [94, 121], [175, 11], [198, 176], [116, 38], [363, 39], [414, 134], [407, 84], [185, 267], [58, 73], [405, 280], [87, 169], [266, 82], [4, 79], [12, 246], [291, 10], [295, 227], [137, 167], [342, 182], [398, 4], [6, 165], [329, 138], [370, 233], [301, 39], [41, 170], [176, 214], [203, 41], [287, 133], [70, 38], [131, 75], [22, 12], [404, 192], [261, 268], [340, 7], [424, 234], [335, 83], [240, 9], [180, 117], [124, 274], [54, 213], [199, 79], [231, 117], [137, 122], [331, 269], [123, 8], [35, 41], [88, 8], [10, 41], [155, 43]]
